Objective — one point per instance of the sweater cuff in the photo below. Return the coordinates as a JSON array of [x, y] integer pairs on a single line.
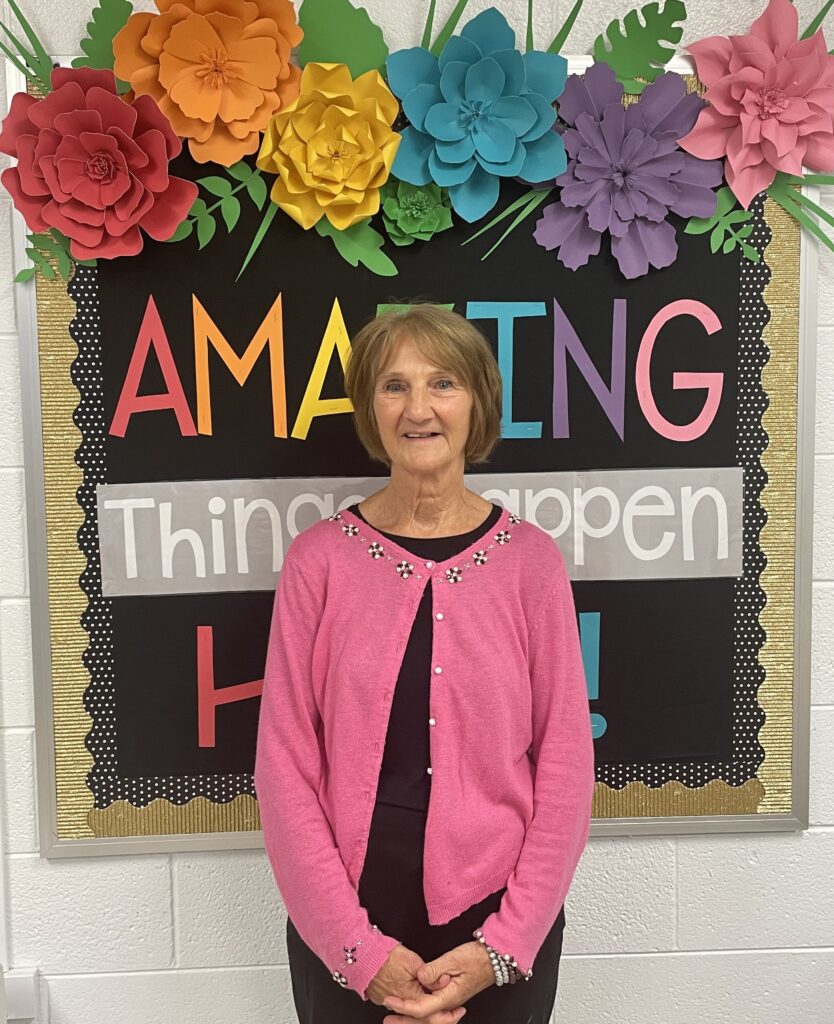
[[503, 945], [368, 958]]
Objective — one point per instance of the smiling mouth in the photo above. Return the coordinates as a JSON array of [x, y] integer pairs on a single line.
[[420, 437]]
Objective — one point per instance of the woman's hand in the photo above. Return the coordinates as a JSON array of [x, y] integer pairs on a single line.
[[398, 978], [468, 970]]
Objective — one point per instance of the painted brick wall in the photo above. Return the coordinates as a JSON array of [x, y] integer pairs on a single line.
[[729, 929]]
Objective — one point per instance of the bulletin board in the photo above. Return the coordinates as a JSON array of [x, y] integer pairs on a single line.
[[183, 426]]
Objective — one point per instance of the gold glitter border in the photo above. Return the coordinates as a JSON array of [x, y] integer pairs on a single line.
[[769, 793], [65, 562], [780, 380]]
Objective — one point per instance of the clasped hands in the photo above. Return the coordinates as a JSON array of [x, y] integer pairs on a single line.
[[432, 993]]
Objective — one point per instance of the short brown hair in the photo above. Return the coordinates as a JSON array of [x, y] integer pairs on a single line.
[[444, 337]]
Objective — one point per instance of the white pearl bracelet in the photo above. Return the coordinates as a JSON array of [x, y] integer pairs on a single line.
[[504, 967]]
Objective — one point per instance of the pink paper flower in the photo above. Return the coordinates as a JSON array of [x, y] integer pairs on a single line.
[[93, 166], [771, 102]]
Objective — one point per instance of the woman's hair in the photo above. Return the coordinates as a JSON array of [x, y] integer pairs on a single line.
[[443, 337]]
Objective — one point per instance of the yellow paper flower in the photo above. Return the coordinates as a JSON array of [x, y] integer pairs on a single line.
[[332, 149]]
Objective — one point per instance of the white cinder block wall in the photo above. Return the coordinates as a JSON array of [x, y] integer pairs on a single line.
[[724, 929]]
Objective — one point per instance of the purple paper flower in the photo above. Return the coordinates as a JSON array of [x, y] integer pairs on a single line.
[[626, 172]]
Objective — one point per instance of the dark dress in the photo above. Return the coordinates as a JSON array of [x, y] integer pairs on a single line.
[[391, 884]]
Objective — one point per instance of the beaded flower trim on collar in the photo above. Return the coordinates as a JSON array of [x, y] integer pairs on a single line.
[[354, 528]]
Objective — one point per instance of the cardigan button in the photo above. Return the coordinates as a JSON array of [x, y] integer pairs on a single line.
[[428, 770], [432, 721], [439, 615], [438, 669], [429, 565]]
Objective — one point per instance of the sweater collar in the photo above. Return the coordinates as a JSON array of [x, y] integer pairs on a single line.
[[502, 528]]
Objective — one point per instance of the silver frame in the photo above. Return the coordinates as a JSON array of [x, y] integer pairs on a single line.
[[50, 846]]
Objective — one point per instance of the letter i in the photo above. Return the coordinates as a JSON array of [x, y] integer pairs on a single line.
[[217, 506]]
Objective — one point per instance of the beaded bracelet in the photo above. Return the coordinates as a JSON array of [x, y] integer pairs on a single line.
[[504, 967]]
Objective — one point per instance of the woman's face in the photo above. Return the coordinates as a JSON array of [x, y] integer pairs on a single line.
[[413, 396]]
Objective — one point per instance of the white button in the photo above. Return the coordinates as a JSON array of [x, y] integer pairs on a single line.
[[432, 721], [438, 669], [429, 565], [428, 770], [439, 615]]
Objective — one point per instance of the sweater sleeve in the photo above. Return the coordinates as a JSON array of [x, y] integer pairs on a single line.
[[563, 755], [306, 863]]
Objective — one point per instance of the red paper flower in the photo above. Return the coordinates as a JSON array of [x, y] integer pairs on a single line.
[[93, 166]]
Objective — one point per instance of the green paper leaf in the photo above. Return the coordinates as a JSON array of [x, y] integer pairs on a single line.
[[230, 208], [818, 20], [241, 171], [183, 231], [565, 30], [716, 238], [639, 51], [448, 29], [107, 19], [796, 212], [427, 31], [206, 226], [26, 274], [198, 208], [337, 32], [750, 253], [219, 187], [87, 263], [258, 192], [260, 235], [359, 244]]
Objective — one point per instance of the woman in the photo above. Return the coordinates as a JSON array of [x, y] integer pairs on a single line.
[[424, 758]]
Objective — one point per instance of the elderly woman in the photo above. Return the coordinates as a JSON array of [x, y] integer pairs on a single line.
[[424, 763]]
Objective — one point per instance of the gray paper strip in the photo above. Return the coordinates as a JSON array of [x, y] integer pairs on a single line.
[[208, 536]]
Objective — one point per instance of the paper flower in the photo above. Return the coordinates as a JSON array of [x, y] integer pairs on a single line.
[[771, 102], [218, 69], [479, 112], [412, 212], [626, 173], [93, 166], [332, 149]]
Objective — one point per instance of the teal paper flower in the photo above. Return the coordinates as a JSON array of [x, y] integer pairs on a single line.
[[479, 112], [414, 212]]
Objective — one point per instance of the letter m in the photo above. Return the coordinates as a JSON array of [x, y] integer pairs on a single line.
[[271, 333]]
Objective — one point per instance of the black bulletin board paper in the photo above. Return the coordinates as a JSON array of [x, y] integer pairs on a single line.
[[677, 658]]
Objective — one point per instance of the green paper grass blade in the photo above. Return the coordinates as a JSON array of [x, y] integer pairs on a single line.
[[565, 30], [107, 19], [809, 204], [337, 32], [31, 35], [260, 235], [450, 26], [534, 203], [28, 57], [359, 244], [20, 67], [530, 44], [636, 49], [517, 204], [817, 22], [819, 179], [807, 222], [427, 31]]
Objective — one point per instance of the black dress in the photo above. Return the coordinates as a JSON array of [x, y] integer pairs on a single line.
[[391, 884]]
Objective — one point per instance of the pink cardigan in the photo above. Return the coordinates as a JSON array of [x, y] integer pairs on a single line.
[[511, 749]]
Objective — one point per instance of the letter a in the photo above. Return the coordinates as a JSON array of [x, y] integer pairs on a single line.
[[152, 333]]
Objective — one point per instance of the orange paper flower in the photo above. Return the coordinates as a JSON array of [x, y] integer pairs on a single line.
[[217, 69]]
